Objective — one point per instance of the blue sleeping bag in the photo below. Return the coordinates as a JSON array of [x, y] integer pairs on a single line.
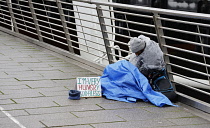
[[123, 81]]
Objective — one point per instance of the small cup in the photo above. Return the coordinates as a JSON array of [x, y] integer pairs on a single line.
[[74, 94]]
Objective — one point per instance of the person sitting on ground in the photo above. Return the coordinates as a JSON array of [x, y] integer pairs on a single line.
[[122, 81], [146, 55]]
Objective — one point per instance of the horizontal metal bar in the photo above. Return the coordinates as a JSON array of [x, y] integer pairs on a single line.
[[132, 30], [112, 33], [55, 40], [45, 5], [88, 52], [8, 20], [53, 35], [20, 11], [190, 87], [118, 49], [188, 51], [116, 41], [132, 22], [188, 60], [188, 69], [129, 13], [79, 12], [5, 17], [23, 16], [20, 5], [184, 22], [24, 21], [5, 23], [83, 26], [87, 46], [186, 32], [48, 17], [81, 19], [52, 29], [77, 5], [57, 25], [85, 39], [185, 41], [4, 6], [27, 31], [114, 55], [7, 11], [46, 11], [84, 33], [189, 78], [25, 26]]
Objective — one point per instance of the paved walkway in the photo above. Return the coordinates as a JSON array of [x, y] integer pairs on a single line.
[[34, 86]]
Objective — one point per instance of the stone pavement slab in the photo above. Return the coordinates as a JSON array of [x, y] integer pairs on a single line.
[[34, 94]]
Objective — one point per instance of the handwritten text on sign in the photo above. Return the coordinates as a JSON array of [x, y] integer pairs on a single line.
[[89, 86]]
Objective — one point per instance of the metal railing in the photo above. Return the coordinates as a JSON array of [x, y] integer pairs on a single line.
[[100, 31]]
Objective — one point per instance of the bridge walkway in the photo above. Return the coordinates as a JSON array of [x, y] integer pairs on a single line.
[[34, 85]]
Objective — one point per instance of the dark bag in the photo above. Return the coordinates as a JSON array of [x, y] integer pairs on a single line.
[[160, 82]]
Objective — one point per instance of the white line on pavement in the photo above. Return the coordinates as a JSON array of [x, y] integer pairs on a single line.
[[12, 118]]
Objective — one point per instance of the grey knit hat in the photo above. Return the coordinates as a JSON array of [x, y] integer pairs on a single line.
[[136, 44]]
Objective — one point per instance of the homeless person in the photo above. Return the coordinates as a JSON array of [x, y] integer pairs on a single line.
[[146, 55], [148, 58], [123, 81]]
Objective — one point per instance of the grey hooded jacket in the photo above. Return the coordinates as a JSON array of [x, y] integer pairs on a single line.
[[150, 58]]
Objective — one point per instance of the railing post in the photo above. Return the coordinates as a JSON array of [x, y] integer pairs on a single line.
[[162, 42], [9, 4], [65, 29], [35, 20], [104, 34]]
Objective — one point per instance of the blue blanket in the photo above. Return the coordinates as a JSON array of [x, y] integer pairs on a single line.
[[122, 81]]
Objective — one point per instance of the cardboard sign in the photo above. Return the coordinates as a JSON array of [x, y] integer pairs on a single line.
[[89, 86]]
